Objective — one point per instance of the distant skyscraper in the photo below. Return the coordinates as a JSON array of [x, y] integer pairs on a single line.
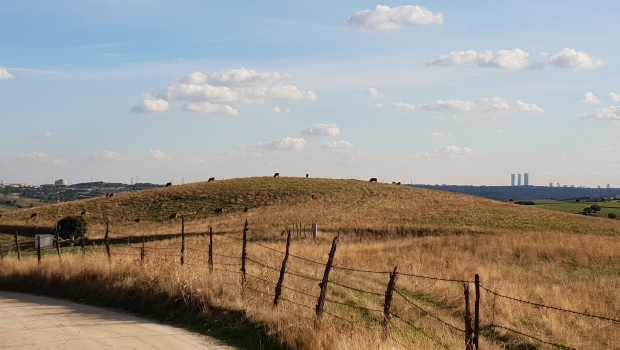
[[550, 184], [512, 180], [608, 185], [519, 179], [526, 179]]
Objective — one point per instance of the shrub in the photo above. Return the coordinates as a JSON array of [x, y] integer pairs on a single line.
[[595, 207], [525, 202], [72, 227], [611, 215], [587, 211]]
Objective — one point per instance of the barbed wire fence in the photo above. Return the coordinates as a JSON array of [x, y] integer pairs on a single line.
[[267, 284]]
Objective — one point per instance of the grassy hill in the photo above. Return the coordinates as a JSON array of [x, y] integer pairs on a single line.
[[349, 206]]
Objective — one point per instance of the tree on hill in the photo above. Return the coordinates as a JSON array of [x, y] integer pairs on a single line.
[[611, 216], [587, 211], [72, 227], [595, 207]]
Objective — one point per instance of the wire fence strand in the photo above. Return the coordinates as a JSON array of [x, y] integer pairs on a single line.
[[532, 337], [428, 312]]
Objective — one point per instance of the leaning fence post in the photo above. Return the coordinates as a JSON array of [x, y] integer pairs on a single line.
[[276, 299], [477, 311], [182, 239], [39, 249], [57, 243], [388, 303], [19, 254], [210, 249], [469, 333], [244, 252], [323, 284], [106, 239]]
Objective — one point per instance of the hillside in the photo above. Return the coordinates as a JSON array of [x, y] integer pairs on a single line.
[[349, 206]]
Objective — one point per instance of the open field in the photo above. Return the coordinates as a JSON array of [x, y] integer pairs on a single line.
[[577, 207], [551, 258]]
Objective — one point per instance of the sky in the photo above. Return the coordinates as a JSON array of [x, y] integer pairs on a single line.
[[430, 92]]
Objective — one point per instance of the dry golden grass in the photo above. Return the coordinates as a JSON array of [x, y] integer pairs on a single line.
[[522, 252]]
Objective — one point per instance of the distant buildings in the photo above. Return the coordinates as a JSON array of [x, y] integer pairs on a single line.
[[526, 179], [519, 179], [60, 182], [512, 180]]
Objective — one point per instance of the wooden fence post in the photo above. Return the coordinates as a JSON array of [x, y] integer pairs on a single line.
[[182, 239], [57, 238], [323, 284], [469, 333], [244, 253], [106, 239], [210, 249], [83, 244], [39, 249], [1, 253], [477, 311], [388, 303], [142, 251], [276, 299], [19, 254]]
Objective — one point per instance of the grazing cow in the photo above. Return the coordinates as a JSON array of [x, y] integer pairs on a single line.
[[314, 197], [211, 179], [276, 175], [111, 195], [373, 179], [393, 182], [174, 216], [219, 210], [307, 176], [398, 183], [168, 184], [0, 215], [33, 215], [245, 210], [137, 220]]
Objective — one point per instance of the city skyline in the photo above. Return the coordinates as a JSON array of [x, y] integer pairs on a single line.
[[421, 92]]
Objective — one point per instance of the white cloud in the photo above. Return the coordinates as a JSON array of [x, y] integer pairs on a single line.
[[609, 113], [210, 108], [240, 85], [482, 105], [572, 59], [451, 152], [109, 155], [529, 107], [404, 106], [285, 144], [499, 131], [322, 129], [590, 98], [386, 18], [508, 59], [254, 154], [159, 155], [379, 105], [374, 93], [150, 104], [288, 111], [39, 158], [4, 74], [277, 110], [46, 135], [614, 96], [339, 144], [440, 134]]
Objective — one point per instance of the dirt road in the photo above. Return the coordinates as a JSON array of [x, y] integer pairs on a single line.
[[31, 322]]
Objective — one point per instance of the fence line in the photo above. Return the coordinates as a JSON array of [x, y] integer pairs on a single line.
[[428, 312], [532, 337]]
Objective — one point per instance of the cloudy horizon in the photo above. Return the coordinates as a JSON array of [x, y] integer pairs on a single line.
[[428, 92]]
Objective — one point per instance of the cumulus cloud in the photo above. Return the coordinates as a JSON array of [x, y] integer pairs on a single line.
[[440, 134], [391, 18], [109, 155], [614, 96], [374, 93], [590, 98], [277, 110], [452, 152], [404, 106], [4, 74], [379, 105], [46, 135], [482, 105], [285, 144], [508, 59], [342, 144], [288, 111], [240, 85], [529, 107], [609, 113], [210, 108], [159, 155], [499, 131], [151, 105], [322, 129], [38, 158], [572, 59]]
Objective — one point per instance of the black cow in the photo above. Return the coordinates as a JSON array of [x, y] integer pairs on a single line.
[[169, 184], [211, 179], [373, 179], [276, 175]]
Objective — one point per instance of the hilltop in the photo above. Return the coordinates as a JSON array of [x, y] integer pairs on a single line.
[[350, 206]]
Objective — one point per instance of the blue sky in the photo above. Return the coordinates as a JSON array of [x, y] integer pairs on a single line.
[[424, 92]]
